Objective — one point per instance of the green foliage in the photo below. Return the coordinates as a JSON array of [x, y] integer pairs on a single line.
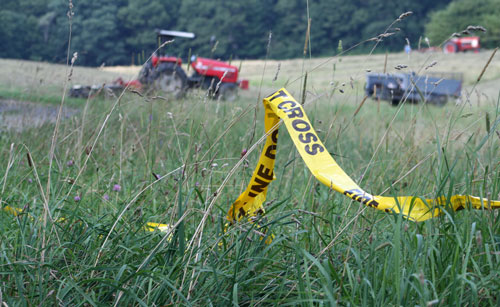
[[462, 13], [14, 25], [117, 32], [138, 19], [355, 21], [239, 28], [97, 34]]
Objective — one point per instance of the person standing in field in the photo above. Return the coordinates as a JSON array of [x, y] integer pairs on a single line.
[[407, 49]]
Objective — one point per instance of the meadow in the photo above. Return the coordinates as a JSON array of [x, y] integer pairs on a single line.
[[88, 184]]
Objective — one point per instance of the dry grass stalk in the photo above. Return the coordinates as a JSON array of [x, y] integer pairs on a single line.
[[487, 64]]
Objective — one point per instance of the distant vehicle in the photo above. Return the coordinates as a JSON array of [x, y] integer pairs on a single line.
[[435, 88], [164, 73], [462, 44]]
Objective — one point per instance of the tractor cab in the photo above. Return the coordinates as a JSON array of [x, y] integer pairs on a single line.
[[164, 36]]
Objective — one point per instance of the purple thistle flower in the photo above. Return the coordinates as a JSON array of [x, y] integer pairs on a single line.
[[106, 197], [70, 163], [117, 188], [77, 198], [30, 180]]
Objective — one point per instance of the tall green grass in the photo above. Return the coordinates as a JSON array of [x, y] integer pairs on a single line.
[[81, 239], [327, 250]]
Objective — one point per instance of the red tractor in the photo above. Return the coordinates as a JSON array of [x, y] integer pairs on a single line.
[[165, 73], [462, 44]]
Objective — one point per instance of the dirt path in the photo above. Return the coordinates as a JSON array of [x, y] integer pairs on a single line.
[[19, 115]]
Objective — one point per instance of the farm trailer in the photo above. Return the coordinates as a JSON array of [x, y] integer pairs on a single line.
[[434, 88]]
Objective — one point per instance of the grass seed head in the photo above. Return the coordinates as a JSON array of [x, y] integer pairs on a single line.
[[475, 29], [404, 15], [431, 65]]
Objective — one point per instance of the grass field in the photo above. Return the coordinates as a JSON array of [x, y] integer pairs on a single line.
[[80, 239]]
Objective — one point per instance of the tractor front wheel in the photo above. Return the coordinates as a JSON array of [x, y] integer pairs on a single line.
[[170, 79]]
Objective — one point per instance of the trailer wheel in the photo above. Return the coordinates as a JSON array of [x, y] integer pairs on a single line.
[[170, 79], [450, 47], [438, 100], [228, 91]]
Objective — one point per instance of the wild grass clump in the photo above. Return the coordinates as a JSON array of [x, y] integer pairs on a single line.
[[80, 237]]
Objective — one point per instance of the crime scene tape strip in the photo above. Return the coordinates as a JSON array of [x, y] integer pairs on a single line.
[[281, 105]]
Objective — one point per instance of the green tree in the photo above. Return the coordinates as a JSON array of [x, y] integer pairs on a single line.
[[17, 32], [240, 28], [19, 28], [458, 15], [96, 33], [289, 29], [113, 31], [138, 20], [356, 21]]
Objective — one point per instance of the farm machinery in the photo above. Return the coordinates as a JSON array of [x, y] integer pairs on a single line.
[[434, 88], [163, 73], [462, 44]]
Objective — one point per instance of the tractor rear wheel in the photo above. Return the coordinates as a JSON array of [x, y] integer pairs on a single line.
[[170, 79], [228, 91]]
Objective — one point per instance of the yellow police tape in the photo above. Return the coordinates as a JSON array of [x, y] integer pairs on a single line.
[[281, 105]]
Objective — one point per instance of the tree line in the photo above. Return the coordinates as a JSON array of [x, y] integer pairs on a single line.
[[113, 32]]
